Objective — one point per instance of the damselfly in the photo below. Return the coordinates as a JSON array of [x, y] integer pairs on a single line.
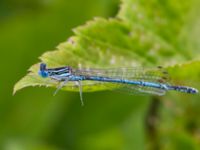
[[138, 80]]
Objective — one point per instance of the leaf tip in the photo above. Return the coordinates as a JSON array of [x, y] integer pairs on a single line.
[[16, 88]]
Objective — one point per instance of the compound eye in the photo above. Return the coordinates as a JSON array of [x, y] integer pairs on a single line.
[[43, 74], [43, 71], [42, 66]]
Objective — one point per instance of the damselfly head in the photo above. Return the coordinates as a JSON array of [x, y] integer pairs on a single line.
[[43, 71]]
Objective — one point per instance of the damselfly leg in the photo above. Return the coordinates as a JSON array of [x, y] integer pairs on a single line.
[[62, 84]]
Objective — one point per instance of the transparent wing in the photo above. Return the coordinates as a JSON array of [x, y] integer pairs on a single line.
[[157, 75], [137, 74]]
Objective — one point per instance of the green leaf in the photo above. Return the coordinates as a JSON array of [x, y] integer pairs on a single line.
[[142, 34]]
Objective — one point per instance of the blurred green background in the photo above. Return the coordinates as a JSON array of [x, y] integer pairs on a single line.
[[33, 119]]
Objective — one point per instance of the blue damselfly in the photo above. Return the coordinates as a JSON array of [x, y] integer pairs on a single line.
[[147, 81]]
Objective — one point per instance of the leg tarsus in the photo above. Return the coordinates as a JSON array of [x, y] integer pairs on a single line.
[[80, 91]]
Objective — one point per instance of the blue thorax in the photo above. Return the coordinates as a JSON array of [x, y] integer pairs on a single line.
[[60, 73]]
